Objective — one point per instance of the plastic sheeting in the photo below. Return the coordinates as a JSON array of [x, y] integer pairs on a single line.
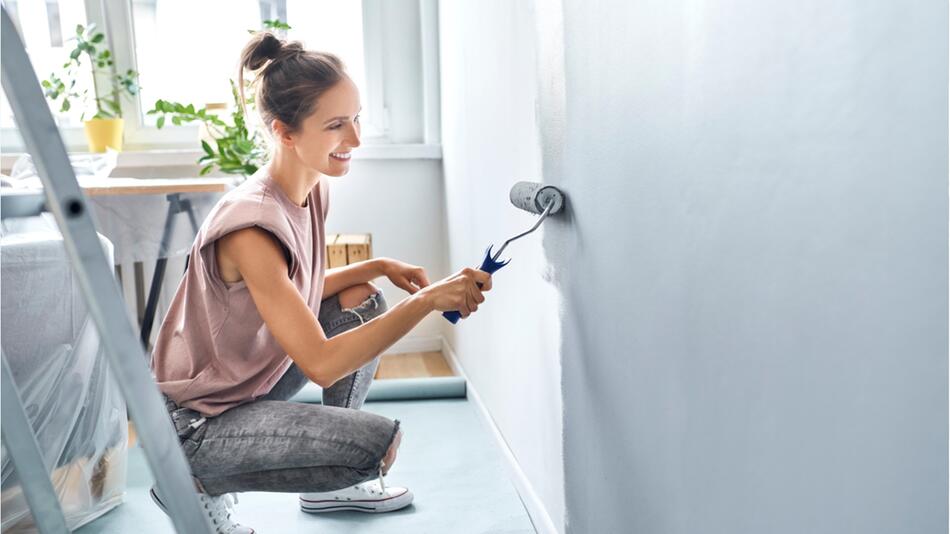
[[96, 165], [436, 387], [69, 393]]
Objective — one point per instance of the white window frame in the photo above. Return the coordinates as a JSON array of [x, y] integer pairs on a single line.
[[402, 73]]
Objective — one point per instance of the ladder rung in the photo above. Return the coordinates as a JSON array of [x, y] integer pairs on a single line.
[[21, 204]]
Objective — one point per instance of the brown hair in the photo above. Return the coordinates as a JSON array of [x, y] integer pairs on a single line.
[[291, 79]]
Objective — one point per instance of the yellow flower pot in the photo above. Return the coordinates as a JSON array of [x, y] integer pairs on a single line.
[[102, 133]]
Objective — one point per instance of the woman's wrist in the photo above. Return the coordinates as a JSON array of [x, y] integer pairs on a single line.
[[424, 298], [379, 266]]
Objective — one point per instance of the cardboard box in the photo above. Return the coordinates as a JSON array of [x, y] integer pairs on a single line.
[[336, 252], [359, 247], [344, 249]]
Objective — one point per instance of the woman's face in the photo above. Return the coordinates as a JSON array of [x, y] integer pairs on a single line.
[[325, 138]]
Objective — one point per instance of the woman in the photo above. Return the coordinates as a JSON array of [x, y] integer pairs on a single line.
[[256, 315]]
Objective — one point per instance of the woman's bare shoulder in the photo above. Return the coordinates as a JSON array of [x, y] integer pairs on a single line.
[[250, 249]]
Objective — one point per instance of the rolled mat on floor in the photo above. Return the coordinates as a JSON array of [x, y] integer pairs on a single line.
[[441, 387]]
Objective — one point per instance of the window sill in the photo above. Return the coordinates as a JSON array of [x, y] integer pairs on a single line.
[[181, 157]]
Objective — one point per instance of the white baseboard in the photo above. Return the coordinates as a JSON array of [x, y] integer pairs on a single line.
[[416, 344], [532, 503]]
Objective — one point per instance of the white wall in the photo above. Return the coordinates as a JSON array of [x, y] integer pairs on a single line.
[[491, 139], [400, 203]]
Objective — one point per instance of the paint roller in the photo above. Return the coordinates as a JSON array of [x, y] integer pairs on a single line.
[[529, 196]]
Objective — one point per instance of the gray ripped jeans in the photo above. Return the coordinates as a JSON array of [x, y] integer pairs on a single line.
[[272, 444]]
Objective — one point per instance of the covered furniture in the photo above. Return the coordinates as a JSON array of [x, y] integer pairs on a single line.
[[68, 390]]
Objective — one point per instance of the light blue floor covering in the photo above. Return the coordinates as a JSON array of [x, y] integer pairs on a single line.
[[447, 458]]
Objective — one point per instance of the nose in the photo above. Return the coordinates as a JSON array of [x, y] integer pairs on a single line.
[[353, 135]]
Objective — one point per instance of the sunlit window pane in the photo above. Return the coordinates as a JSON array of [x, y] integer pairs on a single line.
[[48, 28], [186, 50], [336, 27]]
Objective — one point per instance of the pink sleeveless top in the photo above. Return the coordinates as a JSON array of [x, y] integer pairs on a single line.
[[213, 350]]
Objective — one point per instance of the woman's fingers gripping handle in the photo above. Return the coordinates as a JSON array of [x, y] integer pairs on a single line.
[[474, 284]]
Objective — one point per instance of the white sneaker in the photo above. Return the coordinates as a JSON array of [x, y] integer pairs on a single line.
[[219, 509], [372, 496]]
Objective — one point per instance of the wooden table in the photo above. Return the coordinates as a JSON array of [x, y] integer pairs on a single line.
[[153, 186]]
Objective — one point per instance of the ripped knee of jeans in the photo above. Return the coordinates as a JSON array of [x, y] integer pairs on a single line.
[[374, 306], [379, 302]]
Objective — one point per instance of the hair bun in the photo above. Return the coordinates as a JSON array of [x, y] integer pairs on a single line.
[[263, 46], [270, 45]]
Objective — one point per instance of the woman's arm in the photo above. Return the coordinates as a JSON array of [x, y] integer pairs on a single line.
[[339, 278], [261, 262]]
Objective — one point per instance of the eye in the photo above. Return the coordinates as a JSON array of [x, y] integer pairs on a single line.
[[335, 126], [356, 119]]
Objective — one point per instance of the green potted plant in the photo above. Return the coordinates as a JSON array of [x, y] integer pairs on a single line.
[[105, 127]]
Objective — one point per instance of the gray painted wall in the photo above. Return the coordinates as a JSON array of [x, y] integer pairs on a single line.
[[754, 265]]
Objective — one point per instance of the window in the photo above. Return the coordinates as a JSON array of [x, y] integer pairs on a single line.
[[212, 34], [186, 50], [45, 27]]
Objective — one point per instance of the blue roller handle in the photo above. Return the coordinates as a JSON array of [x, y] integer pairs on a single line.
[[489, 266]]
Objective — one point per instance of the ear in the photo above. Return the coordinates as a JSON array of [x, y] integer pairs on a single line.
[[281, 133]]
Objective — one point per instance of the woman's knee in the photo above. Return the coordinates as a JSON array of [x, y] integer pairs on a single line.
[[354, 296], [369, 303]]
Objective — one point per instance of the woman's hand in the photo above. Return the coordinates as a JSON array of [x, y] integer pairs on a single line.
[[460, 292], [411, 278]]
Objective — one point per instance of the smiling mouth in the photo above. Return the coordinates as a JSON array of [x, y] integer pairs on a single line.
[[342, 156]]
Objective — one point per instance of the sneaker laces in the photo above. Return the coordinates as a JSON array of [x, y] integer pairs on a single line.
[[370, 485], [220, 509]]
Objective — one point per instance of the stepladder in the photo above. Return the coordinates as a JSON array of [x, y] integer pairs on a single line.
[[64, 199]]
